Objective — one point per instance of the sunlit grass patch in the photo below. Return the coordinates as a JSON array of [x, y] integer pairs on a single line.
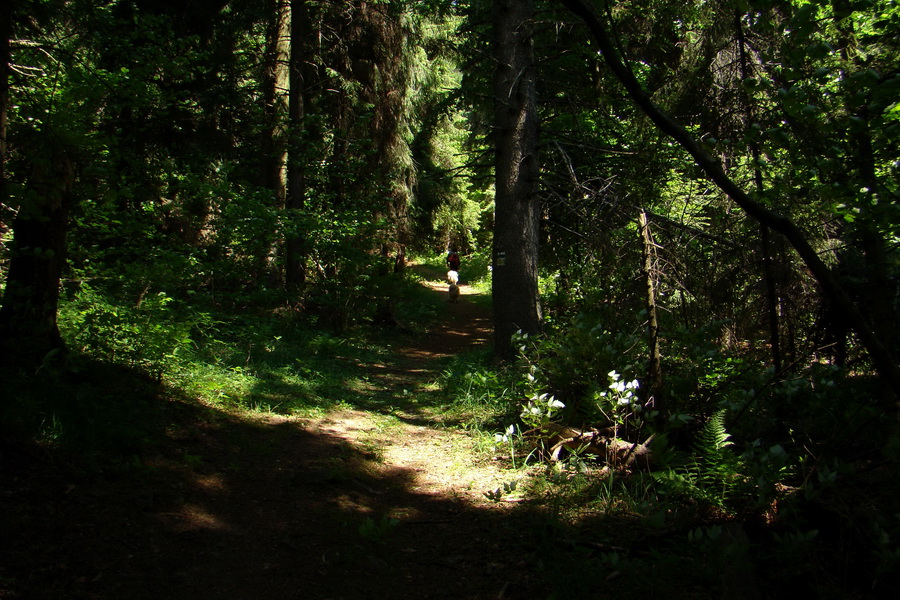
[[245, 366], [214, 384], [480, 394]]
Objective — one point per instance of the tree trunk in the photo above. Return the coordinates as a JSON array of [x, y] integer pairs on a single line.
[[879, 296], [274, 144], [295, 244], [517, 210], [5, 33], [771, 298], [28, 326], [768, 273], [655, 374]]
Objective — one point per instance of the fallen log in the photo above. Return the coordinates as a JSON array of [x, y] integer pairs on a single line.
[[598, 442]]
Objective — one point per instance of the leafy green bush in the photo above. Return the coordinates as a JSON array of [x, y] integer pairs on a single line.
[[701, 376], [573, 364], [150, 336]]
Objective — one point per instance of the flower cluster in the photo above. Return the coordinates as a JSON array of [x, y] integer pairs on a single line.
[[540, 409], [623, 392]]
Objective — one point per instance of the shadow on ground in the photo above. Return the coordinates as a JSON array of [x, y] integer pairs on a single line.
[[228, 508], [216, 506]]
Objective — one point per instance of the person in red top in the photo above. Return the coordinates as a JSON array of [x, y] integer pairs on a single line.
[[453, 259]]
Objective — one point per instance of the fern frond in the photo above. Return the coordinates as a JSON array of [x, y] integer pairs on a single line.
[[712, 474], [713, 438], [715, 467]]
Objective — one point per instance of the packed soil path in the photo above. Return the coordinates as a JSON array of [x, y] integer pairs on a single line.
[[349, 504]]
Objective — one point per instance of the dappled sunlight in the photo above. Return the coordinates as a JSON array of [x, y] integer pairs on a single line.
[[192, 517], [385, 489], [434, 462], [442, 464], [211, 483]]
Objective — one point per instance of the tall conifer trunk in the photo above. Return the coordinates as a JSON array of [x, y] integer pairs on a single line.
[[517, 210], [5, 34], [654, 371], [294, 247], [274, 83], [771, 298]]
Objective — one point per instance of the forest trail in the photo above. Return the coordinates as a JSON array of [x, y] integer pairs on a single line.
[[351, 504]]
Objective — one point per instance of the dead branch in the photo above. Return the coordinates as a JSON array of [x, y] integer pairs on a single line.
[[597, 442]]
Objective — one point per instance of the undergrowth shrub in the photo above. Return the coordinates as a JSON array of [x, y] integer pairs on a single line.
[[573, 365], [151, 336], [416, 307], [477, 271], [702, 377], [694, 458], [276, 362]]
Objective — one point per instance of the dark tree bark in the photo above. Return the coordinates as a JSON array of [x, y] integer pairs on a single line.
[[831, 288], [273, 146], [5, 58], [294, 247], [517, 210], [28, 326], [274, 84], [771, 297]]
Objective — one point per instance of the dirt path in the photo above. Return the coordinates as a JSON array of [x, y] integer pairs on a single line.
[[349, 505]]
